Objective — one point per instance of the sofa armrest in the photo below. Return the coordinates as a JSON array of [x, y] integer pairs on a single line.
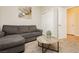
[[1, 34], [39, 30]]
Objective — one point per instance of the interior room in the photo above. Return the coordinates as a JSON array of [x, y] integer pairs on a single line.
[[39, 29]]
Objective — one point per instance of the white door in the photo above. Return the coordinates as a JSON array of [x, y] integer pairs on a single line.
[[62, 27], [71, 24]]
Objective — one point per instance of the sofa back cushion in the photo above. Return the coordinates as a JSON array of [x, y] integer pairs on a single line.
[[16, 29], [32, 28], [26, 29], [10, 29], [23, 29]]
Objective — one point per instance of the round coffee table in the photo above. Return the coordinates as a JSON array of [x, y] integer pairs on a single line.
[[46, 42]]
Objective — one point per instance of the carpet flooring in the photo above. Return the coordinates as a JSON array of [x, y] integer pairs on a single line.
[[33, 47]]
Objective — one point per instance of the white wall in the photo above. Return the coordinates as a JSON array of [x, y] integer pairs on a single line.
[[0, 20], [9, 16], [48, 20]]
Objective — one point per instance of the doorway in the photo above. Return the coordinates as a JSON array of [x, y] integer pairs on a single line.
[[73, 23]]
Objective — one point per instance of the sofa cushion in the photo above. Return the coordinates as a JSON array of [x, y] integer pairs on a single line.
[[10, 29], [16, 29], [31, 34], [23, 29], [1, 34], [11, 41], [32, 28]]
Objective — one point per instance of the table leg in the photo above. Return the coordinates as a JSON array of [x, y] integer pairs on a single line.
[[43, 48], [38, 44], [58, 46]]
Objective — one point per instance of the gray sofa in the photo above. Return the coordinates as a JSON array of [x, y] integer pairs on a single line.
[[13, 37]]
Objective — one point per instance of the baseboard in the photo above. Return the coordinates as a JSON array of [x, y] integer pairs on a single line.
[[71, 34]]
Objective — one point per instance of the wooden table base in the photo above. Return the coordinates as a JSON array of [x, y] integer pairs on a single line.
[[45, 47]]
